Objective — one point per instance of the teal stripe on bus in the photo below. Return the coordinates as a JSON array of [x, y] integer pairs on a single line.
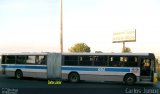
[[96, 69], [24, 67]]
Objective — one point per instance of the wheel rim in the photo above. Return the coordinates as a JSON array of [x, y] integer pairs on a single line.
[[130, 80], [18, 75], [74, 78]]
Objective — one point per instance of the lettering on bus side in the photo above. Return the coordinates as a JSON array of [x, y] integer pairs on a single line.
[[101, 69]]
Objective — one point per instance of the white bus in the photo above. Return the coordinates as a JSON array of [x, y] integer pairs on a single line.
[[129, 68], [39, 65]]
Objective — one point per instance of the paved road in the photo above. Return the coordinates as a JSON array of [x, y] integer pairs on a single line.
[[41, 86]]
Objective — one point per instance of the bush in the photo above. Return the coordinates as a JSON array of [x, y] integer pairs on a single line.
[[158, 73]]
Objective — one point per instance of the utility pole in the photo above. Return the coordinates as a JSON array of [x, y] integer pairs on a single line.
[[61, 28], [123, 46]]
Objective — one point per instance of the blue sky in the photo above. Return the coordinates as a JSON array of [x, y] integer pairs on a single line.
[[34, 25]]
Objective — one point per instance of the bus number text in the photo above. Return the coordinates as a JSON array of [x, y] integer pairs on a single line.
[[101, 69]]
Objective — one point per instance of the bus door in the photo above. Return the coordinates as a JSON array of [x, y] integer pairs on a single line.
[[146, 69], [54, 66]]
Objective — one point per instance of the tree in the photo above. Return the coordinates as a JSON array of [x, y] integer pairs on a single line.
[[158, 68], [126, 49], [157, 61], [80, 47]]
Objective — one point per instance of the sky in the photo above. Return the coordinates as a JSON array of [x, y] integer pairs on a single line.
[[34, 25]]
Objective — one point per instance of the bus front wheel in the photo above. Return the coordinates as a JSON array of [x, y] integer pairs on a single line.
[[74, 77], [18, 74], [130, 79]]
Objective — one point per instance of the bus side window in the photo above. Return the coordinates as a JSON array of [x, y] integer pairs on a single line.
[[21, 59], [133, 61], [37, 61], [71, 60], [146, 62], [130, 61], [43, 60], [114, 61], [100, 61], [10, 59], [85, 60], [4, 60], [118, 61], [110, 61], [30, 60], [40, 60]]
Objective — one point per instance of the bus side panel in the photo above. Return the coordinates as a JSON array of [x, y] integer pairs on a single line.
[[100, 73], [37, 73], [7, 71], [10, 72], [102, 78], [95, 76], [3, 69], [54, 66]]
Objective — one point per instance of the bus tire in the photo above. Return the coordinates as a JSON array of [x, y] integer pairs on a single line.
[[129, 79], [18, 74], [74, 77]]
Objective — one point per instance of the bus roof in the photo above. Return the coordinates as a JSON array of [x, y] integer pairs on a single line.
[[45, 53], [119, 54], [27, 53]]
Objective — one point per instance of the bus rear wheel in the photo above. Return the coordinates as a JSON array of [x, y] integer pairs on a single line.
[[130, 79], [74, 77], [19, 74]]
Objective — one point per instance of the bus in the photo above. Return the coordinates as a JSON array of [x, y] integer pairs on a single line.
[[38, 65], [129, 68]]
